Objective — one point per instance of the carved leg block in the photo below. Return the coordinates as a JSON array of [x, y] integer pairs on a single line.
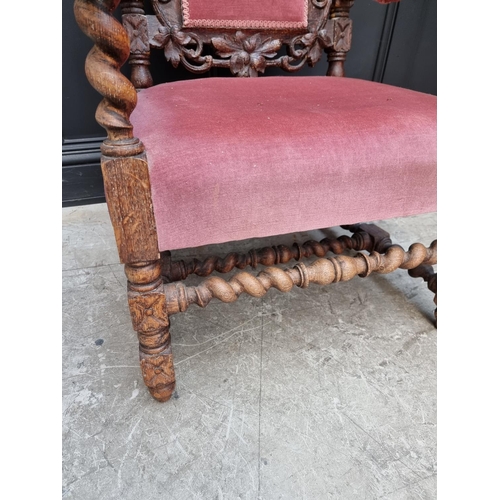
[[148, 311], [158, 374]]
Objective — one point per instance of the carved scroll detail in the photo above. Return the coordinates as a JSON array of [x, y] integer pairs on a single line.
[[311, 45], [179, 46], [323, 272]]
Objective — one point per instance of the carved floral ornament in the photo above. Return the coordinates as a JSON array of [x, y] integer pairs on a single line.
[[245, 53], [158, 371], [148, 311], [175, 44]]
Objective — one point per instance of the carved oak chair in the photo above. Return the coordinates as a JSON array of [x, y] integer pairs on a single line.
[[213, 160]]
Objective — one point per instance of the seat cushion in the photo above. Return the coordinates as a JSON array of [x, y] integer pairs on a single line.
[[237, 158]]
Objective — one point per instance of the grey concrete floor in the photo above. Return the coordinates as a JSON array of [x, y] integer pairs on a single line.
[[323, 393]]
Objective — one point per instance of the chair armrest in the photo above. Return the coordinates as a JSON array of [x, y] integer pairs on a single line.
[[123, 163]]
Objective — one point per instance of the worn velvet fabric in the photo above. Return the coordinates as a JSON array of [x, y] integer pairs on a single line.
[[235, 158], [263, 14]]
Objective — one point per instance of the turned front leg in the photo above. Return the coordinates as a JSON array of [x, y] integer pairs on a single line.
[[148, 310]]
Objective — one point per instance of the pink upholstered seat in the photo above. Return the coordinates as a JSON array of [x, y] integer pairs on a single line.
[[234, 158]]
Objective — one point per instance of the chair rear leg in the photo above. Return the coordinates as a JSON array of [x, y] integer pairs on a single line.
[[427, 273], [381, 241], [148, 310]]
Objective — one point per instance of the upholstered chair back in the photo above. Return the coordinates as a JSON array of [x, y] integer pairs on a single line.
[[252, 14], [244, 36]]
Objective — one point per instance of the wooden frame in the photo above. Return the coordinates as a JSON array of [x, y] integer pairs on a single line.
[[155, 288]]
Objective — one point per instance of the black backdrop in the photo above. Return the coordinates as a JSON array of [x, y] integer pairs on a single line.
[[394, 44]]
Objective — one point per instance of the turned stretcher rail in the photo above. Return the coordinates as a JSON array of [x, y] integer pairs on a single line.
[[268, 256], [323, 272]]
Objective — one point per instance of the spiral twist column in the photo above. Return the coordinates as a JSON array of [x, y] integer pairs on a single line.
[[102, 66], [268, 256], [323, 272]]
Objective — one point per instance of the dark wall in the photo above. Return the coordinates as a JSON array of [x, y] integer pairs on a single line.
[[394, 44]]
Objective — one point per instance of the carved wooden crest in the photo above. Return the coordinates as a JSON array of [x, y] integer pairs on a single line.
[[244, 52]]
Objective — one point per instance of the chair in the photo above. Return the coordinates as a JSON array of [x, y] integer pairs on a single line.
[[213, 160]]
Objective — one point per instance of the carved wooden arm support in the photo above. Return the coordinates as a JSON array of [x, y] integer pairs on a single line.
[[102, 67], [124, 164]]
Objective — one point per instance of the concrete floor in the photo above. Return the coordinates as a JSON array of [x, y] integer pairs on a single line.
[[323, 393]]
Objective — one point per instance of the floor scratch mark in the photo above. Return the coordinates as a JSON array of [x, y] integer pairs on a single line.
[[215, 345], [133, 430], [259, 464]]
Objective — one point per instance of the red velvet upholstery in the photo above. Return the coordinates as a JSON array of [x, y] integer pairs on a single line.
[[263, 14], [234, 158]]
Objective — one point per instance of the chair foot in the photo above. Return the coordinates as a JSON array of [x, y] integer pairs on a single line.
[[163, 394], [436, 310], [430, 277], [148, 310], [158, 374], [381, 241]]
